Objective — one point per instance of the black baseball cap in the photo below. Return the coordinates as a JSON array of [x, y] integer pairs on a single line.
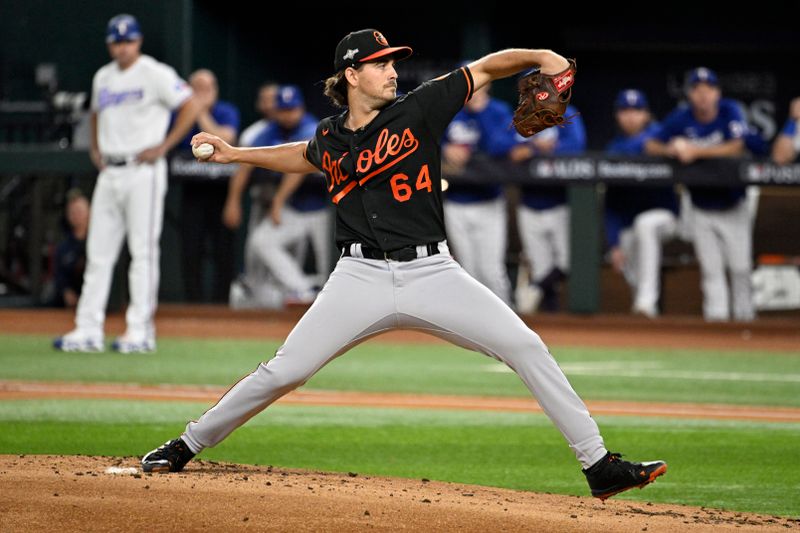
[[364, 46]]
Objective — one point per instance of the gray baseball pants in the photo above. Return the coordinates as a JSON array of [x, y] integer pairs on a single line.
[[365, 297]]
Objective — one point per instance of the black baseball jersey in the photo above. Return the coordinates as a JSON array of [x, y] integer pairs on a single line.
[[385, 178]]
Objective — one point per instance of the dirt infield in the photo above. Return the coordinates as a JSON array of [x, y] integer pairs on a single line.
[[19, 390], [76, 494]]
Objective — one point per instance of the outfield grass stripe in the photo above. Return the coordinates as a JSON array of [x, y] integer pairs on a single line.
[[22, 390], [595, 373]]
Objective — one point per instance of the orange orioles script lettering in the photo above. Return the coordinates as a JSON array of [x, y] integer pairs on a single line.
[[334, 170], [394, 147]]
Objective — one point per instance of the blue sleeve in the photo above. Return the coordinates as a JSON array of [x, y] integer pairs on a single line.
[[497, 138], [651, 130], [267, 137], [614, 226], [790, 128], [661, 134], [308, 132], [735, 125], [572, 137], [755, 143], [612, 147], [671, 127], [313, 153], [308, 129], [447, 137], [227, 115]]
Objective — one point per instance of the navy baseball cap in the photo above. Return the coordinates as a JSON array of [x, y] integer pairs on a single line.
[[363, 46], [702, 75], [123, 28], [288, 97], [631, 99]]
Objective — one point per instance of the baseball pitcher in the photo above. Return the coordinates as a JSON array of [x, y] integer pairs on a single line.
[[381, 160]]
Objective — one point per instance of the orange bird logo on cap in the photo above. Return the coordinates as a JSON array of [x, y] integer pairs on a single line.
[[380, 38]]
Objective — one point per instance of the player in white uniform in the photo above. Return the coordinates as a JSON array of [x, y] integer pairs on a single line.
[[131, 102]]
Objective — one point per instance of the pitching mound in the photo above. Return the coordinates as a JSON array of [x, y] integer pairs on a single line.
[[80, 494]]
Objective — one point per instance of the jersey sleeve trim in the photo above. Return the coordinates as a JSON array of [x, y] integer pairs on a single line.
[[470, 83]]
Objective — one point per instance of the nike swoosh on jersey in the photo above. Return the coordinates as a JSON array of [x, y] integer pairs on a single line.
[[325, 131]]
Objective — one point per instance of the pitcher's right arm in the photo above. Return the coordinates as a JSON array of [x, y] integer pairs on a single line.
[[283, 158]]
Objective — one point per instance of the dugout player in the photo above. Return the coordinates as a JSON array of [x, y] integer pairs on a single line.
[[265, 105], [260, 195], [131, 102], [475, 213], [299, 209], [381, 159], [712, 126], [638, 218], [543, 215], [70, 257], [787, 143], [203, 237]]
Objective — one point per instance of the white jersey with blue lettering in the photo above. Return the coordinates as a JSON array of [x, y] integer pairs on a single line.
[[133, 105], [133, 112]]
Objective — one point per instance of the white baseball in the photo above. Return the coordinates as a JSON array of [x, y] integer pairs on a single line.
[[203, 151]]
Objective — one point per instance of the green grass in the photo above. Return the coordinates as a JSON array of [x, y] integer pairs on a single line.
[[728, 464], [733, 465], [754, 378]]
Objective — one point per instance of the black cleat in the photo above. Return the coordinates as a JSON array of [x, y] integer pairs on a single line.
[[611, 475], [172, 456]]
